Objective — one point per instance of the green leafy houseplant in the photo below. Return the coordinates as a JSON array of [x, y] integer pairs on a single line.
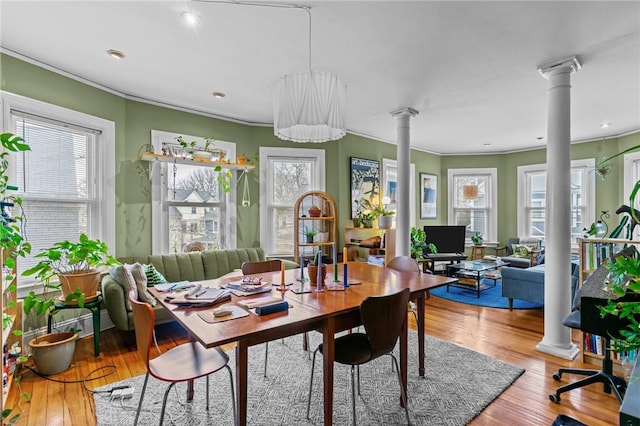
[[13, 243], [477, 239], [419, 244], [624, 279], [63, 259]]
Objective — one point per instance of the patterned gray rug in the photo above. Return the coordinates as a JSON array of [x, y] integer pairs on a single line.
[[458, 385]]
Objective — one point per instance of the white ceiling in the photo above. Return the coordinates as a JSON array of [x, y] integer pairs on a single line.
[[469, 68]]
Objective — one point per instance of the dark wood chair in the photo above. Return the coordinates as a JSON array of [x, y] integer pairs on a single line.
[[382, 318], [407, 264], [185, 362]]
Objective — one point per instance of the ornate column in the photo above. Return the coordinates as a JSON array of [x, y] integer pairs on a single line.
[[557, 273], [403, 217]]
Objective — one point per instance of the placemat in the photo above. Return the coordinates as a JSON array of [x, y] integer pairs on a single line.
[[238, 312]]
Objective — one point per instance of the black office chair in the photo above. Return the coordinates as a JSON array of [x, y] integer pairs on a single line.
[[383, 318], [586, 317]]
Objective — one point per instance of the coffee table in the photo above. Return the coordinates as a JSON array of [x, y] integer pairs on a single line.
[[470, 274]]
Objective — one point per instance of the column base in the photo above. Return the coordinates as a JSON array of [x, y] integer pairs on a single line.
[[569, 351]]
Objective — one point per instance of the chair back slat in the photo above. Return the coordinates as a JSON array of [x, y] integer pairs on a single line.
[[144, 320], [259, 267], [383, 318], [404, 264]]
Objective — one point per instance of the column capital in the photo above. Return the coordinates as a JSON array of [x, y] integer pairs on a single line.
[[571, 62], [405, 112]]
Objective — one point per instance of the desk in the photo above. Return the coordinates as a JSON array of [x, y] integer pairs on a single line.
[[328, 312]]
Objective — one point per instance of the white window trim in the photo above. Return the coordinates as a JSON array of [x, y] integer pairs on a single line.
[[589, 191], [388, 163], [630, 179], [106, 153], [158, 175], [492, 228], [265, 153]]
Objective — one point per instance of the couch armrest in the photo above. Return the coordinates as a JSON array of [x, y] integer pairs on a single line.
[[113, 299], [523, 284]]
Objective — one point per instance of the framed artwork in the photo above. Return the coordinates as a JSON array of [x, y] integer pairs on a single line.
[[365, 182], [428, 195], [389, 184]]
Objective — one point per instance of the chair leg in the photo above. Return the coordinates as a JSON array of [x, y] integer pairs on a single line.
[[207, 379], [358, 374], [233, 395], [266, 356], [402, 392], [313, 366], [353, 394], [593, 376], [144, 387], [164, 403]]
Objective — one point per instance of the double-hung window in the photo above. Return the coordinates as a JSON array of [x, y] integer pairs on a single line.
[[285, 174], [532, 194], [473, 201], [189, 205], [65, 180]]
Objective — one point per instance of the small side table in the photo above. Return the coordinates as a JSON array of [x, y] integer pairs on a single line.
[[94, 307], [478, 252]]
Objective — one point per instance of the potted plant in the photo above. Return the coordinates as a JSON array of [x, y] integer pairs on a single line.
[[76, 266], [12, 242], [309, 234], [477, 239], [313, 268], [419, 244], [385, 217]]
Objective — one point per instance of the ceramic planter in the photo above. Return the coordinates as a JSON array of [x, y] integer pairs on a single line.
[[313, 273], [385, 222], [52, 353], [87, 283]]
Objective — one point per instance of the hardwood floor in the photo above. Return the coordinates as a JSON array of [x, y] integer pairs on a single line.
[[499, 333]]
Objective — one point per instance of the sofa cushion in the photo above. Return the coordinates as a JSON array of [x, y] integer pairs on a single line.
[[153, 276], [523, 250], [141, 284]]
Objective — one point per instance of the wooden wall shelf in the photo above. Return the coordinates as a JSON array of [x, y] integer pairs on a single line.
[[150, 156]]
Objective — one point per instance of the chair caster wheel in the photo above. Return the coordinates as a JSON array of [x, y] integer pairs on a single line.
[[554, 397], [556, 377]]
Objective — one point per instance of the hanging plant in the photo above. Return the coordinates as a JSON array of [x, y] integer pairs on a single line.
[[224, 178]]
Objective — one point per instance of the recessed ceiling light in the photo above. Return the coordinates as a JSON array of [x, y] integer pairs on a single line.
[[487, 145], [191, 18], [218, 95], [540, 138], [115, 54], [605, 125]]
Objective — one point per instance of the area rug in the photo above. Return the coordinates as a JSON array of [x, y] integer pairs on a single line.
[[490, 298], [458, 385]]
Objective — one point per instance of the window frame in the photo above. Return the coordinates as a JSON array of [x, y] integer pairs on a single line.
[[492, 216], [159, 186], [588, 194], [105, 172], [631, 169], [266, 184]]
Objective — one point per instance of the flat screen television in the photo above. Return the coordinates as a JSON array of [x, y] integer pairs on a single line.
[[447, 239]]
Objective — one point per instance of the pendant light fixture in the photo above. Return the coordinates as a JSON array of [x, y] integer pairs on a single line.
[[309, 106]]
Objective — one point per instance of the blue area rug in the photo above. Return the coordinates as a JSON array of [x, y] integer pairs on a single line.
[[491, 298]]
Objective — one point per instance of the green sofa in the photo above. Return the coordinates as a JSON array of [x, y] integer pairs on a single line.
[[194, 266]]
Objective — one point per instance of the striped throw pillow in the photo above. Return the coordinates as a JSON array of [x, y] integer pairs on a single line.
[[153, 276]]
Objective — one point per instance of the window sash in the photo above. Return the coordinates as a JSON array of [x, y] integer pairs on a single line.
[[481, 213]]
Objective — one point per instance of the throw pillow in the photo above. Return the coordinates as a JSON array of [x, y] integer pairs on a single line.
[[122, 275], [153, 276], [522, 250], [141, 284]]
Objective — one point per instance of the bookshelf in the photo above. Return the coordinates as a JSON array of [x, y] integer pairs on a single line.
[[11, 321], [593, 252], [323, 224], [387, 250]]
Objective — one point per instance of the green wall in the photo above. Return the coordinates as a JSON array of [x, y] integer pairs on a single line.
[[135, 120]]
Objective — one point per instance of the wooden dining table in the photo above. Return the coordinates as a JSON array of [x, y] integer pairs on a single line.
[[328, 312]]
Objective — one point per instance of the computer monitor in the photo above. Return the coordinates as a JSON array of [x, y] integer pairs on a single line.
[[447, 239]]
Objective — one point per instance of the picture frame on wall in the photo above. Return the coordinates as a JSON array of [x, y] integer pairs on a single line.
[[428, 195], [388, 184], [365, 182]]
